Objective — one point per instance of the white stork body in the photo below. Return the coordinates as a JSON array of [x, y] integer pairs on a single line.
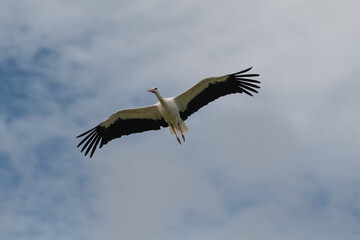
[[170, 112]]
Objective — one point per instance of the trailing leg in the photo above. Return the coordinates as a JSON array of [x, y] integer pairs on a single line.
[[177, 138], [182, 134]]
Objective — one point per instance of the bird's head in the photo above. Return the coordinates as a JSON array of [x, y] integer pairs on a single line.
[[153, 90]]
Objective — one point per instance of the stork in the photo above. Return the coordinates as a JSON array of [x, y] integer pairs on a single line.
[[168, 112]]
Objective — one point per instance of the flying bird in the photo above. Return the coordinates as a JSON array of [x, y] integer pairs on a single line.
[[168, 112]]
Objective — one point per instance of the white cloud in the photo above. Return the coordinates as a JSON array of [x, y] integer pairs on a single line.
[[280, 165]]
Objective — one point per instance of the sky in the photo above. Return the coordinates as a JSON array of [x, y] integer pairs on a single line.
[[283, 164]]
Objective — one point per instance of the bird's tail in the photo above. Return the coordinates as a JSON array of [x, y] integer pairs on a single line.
[[183, 128]]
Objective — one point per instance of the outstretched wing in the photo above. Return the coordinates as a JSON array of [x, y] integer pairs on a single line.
[[209, 89], [123, 122]]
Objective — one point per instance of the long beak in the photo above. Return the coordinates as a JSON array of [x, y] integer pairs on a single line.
[[151, 90]]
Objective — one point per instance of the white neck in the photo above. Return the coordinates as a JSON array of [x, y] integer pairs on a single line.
[[161, 99]]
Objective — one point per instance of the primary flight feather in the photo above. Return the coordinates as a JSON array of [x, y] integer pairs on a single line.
[[168, 112]]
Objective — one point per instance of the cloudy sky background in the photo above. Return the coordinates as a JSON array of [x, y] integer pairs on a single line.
[[282, 165]]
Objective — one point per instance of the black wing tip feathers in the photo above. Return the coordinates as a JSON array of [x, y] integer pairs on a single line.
[[85, 133], [92, 137], [243, 71], [245, 84]]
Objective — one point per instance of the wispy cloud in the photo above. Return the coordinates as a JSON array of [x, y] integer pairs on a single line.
[[283, 164]]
